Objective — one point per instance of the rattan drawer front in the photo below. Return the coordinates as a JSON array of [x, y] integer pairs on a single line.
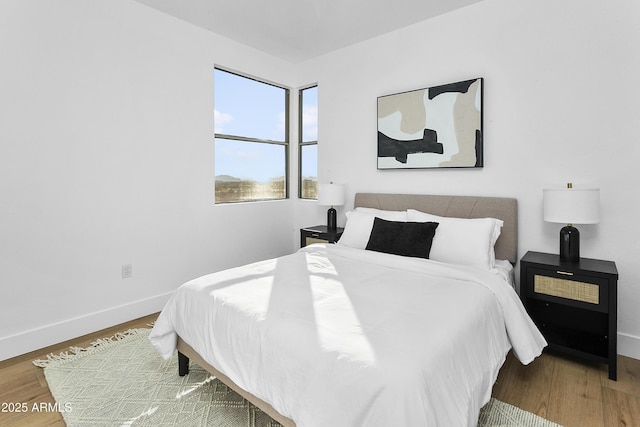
[[310, 240], [569, 289]]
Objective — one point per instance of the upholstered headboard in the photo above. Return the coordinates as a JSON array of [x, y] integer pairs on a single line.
[[503, 208]]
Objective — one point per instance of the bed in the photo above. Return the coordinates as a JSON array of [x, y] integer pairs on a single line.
[[368, 331]]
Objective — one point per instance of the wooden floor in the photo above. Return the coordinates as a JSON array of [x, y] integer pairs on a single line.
[[571, 392], [568, 392]]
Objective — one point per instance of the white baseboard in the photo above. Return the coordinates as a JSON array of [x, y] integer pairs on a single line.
[[629, 345], [37, 338]]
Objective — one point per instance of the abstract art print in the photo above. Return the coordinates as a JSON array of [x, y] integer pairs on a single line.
[[436, 127]]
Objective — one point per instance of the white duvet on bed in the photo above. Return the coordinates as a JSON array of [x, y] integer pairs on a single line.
[[336, 336]]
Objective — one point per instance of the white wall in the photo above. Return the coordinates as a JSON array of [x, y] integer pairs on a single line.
[[561, 105], [106, 122]]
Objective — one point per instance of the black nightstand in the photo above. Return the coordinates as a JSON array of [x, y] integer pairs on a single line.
[[319, 234], [575, 305]]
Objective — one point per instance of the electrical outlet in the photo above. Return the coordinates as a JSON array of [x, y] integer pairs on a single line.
[[126, 271]]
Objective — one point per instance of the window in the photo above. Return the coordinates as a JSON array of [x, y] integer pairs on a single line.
[[308, 143], [251, 139]]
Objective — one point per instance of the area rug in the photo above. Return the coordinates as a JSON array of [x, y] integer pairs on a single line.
[[121, 381]]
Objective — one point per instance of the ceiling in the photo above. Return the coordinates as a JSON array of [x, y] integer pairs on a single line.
[[297, 30]]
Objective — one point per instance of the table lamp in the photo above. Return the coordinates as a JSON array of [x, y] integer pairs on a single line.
[[331, 195], [571, 206]]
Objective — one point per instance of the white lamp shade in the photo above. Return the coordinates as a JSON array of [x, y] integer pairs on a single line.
[[571, 205], [331, 194]]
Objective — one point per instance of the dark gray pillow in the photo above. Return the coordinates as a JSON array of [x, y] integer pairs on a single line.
[[412, 239]]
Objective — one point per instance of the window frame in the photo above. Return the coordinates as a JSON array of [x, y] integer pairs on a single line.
[[301, 142], [285, 143]]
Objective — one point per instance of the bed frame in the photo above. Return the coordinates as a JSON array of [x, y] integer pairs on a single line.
[[506, 247], [185, 353]]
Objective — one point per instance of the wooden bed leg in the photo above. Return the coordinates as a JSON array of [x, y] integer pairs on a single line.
[[183, 364]]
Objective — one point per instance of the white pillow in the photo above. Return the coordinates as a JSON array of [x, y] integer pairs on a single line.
[[467, 241], [360, 222]]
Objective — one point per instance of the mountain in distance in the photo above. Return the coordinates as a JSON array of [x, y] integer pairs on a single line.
[[227, 178]]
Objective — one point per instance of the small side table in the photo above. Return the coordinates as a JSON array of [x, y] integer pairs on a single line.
[[575, 305], [319, 234]]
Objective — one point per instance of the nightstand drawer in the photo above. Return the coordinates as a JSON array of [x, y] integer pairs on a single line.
[[313, 239], [569, 289], [560, 286]]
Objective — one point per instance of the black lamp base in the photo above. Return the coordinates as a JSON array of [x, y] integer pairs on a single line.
[[332, 221], [569, 244]]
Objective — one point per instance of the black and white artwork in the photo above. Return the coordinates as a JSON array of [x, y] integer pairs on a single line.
[[436, 127]]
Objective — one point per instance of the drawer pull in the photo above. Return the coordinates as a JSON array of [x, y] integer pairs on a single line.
[[315, 234], [566, 273]]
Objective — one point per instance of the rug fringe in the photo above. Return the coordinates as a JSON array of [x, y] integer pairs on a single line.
[[77, 351]]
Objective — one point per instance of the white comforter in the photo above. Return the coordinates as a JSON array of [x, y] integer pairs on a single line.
[[335, 336]]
